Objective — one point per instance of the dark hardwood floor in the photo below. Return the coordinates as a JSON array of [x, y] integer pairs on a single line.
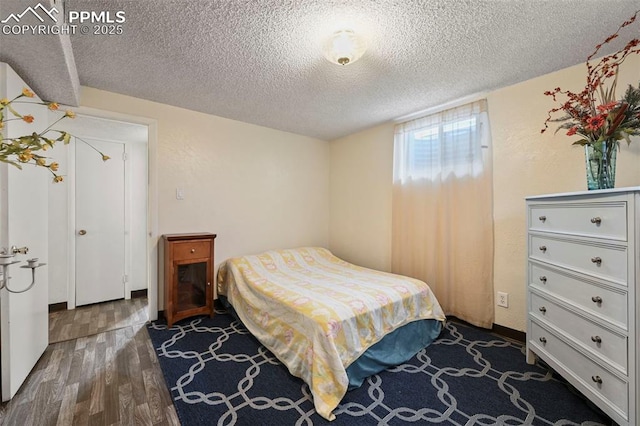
[[99, 369]]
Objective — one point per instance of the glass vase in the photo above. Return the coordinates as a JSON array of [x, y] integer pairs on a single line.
[[600, 160]]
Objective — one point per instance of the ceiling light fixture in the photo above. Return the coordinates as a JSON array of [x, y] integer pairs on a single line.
[[344, 47]]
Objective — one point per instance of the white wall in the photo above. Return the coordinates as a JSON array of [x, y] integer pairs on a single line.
[[525, 163], [255, 187], [58, 224], [137, 166]]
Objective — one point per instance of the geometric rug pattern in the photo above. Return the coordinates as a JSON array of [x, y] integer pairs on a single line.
[[219, 374]]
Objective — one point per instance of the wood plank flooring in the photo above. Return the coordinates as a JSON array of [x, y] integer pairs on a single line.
[[103, 370], [96, 318]]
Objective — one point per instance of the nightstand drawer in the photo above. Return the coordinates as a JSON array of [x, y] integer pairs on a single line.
[[597, 339], [605, 385], [600, 220], [603, 302], [188, 250], [604, 261]]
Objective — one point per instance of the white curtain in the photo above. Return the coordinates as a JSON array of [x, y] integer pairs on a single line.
[[442, 209]]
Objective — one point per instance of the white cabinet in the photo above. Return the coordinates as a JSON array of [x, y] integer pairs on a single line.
[[583, 272]]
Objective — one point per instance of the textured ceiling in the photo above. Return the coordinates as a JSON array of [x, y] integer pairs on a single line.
[[260, 61], [44, 61]]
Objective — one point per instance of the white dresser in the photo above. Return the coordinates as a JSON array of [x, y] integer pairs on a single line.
[[582, 280]]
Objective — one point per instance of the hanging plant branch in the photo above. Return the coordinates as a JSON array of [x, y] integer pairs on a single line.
[[594, 114], [28, 149]]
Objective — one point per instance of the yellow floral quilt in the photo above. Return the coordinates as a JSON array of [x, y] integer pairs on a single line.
[[318, 313]]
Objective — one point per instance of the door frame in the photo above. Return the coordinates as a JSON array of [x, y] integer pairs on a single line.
[[152, 207]]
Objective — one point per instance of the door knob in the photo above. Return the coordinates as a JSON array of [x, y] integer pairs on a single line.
[[82, 232], [22, 250]]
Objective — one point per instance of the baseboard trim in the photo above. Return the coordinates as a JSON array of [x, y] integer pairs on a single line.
[[503, 331], [507, 332], [62, 306], [520, 336], [54, 307], [139, 293]]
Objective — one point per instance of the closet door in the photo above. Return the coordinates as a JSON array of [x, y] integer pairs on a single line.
[[100, 222]]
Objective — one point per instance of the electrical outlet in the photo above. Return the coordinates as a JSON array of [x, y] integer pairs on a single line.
[[503, 299], [179, 194]]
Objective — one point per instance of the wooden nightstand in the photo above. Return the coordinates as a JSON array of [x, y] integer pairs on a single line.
[[188, 275]]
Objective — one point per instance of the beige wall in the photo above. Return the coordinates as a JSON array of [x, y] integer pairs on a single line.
[[529, 163], [256, 188], [525, 163], [360, 204]]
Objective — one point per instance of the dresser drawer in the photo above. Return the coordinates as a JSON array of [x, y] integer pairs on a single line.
[[600, 220], [604, 385], [604, 261], [188, 250], [612, 306], [599, 340]]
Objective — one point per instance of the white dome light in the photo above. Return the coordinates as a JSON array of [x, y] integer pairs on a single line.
[[344, 48]]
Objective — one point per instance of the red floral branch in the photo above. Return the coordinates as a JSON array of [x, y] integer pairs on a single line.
[[611, 119]]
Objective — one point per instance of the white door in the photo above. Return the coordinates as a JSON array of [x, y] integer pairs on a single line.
[[24, 326], [100, 222]]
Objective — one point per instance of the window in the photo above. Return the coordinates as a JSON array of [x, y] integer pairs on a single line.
[[442, 144], [442, 214]]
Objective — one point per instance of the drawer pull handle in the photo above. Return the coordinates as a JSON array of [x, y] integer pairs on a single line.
[[543, 248], [542, 218], [597, 379], [596, 260], [543, 340], [596, 339], [542, 309], [596, 299], [596, 220], [208, 284], [193, 250], [543, 279]]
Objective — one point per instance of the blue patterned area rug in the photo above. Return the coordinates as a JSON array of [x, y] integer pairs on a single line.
[[220, 374]]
